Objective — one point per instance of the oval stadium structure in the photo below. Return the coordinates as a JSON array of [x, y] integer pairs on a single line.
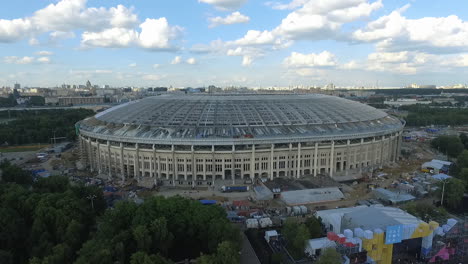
[[190, 140]]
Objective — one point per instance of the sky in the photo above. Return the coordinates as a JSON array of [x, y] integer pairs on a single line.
[[253, 43]]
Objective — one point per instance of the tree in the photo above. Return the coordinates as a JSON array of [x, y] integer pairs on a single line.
[[314, 226], [463, 175], [296, 236], [143, 258], [454, 191], [425, 211], [329, 256], [462, 160], [450, 145], [464, 139]]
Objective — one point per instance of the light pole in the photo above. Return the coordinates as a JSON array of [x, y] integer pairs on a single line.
[[91, 197], [443, 191]]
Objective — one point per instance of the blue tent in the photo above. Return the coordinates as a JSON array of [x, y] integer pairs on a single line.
[[208, 202], [441, 176]]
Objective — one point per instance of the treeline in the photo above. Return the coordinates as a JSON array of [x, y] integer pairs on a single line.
[[53, 222], [455, 147], [420, 115], [38, 126]]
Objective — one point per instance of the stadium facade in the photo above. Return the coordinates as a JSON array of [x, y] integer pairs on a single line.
[[198, 139]]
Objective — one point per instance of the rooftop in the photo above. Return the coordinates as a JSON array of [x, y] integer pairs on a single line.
[[309, 196], [169, 117]]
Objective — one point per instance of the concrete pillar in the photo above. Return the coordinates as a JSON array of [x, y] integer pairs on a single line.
[[192, 159], [399, 146], [382, 145], [174, 169], [213, 172], [332, 158], [299, 159], [347, 158], [122, 172], [99, 163], [290, 165], [252, 163], [136, 162], [272, 153], [90, 155], [316, 167], [109, 159], [362, 157], [233, 170]]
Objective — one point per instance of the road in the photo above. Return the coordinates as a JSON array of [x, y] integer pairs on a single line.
[[248, 255]]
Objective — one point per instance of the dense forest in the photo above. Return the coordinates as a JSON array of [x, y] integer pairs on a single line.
[[51, 221], [421, 115], [39, 126]]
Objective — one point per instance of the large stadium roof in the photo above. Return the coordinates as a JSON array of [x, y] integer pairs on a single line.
[[198, 117]]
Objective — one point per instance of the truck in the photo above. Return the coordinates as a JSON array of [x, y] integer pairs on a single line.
[[237, 188]]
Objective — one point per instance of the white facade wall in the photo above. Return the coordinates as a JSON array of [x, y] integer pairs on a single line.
[[192, 166]]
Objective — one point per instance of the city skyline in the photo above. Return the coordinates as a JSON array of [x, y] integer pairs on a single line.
[[233, 42]]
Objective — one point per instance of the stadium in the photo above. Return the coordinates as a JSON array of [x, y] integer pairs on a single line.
[[191, 140]]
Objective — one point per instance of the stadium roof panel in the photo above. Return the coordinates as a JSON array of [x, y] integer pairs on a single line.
[[239, 116]]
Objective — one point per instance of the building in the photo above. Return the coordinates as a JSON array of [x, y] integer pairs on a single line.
[[401, 102], [197, 139], [80, 100], [388, 234]]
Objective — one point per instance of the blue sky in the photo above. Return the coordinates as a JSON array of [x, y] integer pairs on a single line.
[[233, 42]]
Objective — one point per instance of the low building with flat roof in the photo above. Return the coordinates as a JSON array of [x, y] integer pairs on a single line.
[[310, 196]]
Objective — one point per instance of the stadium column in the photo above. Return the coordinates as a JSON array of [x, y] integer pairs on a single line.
[[332, 158], [91, 158], [298, 161], [347, 160], [99, 164], [252, 163], [153, 164], [362, 155], [158, 169], [399, 146], [394, 146], [290, 166], [382, 146], [192, 162], [316, 159], [122, 162], [174, 171], [109, 160], [272, 153], [213, 173], [233, 171], [136, 162], [374, 152]]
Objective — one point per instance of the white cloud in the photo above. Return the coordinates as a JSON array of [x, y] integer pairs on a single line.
[[43, 59], [113, 27], [14, 30], [282, 6], [44, 53], [191, 61], [389, 57], [155, 66], [157, 34], [323, 59], [59, 35], [176, 60], [233, 18], [248, 54], [33, 41], [109, 38], [18, 60], [103, 71], [132, 65], [255, 37], [395, 32], [224, 4], [152, 77]]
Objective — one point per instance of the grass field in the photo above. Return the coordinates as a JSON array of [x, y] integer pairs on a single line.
[[22, 148]]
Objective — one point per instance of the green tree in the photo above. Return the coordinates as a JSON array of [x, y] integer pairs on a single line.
[[329, 256], [463, 175], [143, 258], [454, 190], [296, 236], [462, 160], [425, 211], [450, 145], [314, 226], [464, 139]]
